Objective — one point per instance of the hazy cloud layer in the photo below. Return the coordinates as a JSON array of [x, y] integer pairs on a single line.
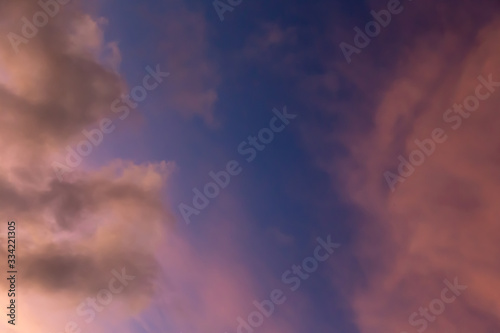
[[442, 222], [184, 36]]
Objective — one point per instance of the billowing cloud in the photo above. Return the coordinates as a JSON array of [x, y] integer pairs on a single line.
[[73, 234]]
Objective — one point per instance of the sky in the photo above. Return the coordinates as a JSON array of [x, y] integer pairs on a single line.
[[235, 166]]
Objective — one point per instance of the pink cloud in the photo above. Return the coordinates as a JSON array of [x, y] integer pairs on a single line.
[[441, 223]]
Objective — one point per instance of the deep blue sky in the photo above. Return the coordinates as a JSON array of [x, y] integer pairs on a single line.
[[283, 189]]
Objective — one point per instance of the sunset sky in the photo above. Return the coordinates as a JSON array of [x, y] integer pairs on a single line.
[[237, 166]]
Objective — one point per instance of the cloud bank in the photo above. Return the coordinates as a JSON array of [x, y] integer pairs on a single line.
[[442, 222]]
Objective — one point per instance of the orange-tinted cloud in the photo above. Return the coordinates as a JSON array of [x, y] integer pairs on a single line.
[[71, 234]]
